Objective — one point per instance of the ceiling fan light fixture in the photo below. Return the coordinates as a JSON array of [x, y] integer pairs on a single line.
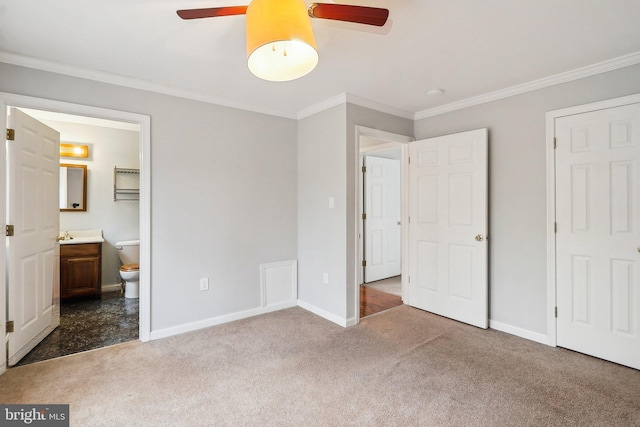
[[280, 42]]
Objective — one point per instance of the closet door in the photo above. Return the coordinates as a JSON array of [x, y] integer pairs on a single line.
[[598, 233]]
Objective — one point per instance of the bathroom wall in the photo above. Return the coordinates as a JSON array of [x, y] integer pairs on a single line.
[[108, 147]]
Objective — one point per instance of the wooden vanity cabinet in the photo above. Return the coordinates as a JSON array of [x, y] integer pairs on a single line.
[[80, 270]]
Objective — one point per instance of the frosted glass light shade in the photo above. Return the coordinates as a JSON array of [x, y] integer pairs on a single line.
[[280, 42]]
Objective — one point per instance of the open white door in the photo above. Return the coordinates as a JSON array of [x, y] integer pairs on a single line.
[[382, 207], [448, 222], [33, 168], [598, 233]]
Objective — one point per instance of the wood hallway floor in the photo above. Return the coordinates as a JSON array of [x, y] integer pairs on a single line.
[[374, 301]]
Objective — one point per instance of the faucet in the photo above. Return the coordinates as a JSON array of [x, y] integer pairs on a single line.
[[64, 236]]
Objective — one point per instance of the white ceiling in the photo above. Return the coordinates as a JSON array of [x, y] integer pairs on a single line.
[[468, 48]]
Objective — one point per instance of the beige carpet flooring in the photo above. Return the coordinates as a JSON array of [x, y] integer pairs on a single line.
[[403, 367]]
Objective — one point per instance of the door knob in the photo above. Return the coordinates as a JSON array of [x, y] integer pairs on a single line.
[[638, 248], [399, 223], [479, 238]]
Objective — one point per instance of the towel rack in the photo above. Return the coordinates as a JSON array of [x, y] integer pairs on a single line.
[[126, 184]]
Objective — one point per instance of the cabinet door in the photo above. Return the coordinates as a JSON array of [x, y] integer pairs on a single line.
[[78, 276]]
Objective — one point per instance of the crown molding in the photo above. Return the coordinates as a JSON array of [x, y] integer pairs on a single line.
[[576, 74], [356, 100], [104, 77], [118, 80], [321, 106], [383, 108]]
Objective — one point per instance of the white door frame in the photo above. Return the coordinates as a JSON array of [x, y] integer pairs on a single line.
[[551, 198], [394, 139], [14, 100]]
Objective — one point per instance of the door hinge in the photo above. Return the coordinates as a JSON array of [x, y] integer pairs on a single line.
[[364, 169], [556, 313], [555, 143], [555, 227], [364, 216], [9, 327], [11, 134], [364, 263], [409, 159], [8, 230]]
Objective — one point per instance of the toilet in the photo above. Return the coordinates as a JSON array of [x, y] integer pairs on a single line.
[[129, 254]]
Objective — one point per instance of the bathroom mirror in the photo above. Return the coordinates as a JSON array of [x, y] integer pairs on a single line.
[[73, 188]]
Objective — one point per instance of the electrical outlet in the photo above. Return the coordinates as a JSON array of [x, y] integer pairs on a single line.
[[325, 278], [204, 284]]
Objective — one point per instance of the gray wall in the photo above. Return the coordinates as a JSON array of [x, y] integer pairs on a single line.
[[517, 186], [327, 153], [322, 231], [223, 193], [233, 189]]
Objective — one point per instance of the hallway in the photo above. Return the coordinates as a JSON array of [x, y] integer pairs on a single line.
[[380, 295]]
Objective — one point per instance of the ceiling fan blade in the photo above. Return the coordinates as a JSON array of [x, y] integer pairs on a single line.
[[212, 12], [349, 13]]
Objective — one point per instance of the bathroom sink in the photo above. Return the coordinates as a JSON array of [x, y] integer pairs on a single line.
[[80, 236]]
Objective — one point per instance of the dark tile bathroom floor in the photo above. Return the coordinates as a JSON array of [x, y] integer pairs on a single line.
[[89, 324]]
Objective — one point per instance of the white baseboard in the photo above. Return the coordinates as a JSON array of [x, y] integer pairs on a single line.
[[325, 314], [341, 321], [522, 333], [214, 321], [352, 321]]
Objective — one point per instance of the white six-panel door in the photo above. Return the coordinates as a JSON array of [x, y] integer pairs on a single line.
[[448, 226], [33, 253], [598, 233], [382, 227]]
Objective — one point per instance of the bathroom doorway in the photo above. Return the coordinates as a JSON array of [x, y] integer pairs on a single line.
[[73, 123]]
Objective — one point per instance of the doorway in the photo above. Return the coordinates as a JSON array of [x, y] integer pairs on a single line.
[[381, 224], [381, 287], [108, 318], [143, 125]]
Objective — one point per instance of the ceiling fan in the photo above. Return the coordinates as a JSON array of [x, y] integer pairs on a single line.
[[280, 42]]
